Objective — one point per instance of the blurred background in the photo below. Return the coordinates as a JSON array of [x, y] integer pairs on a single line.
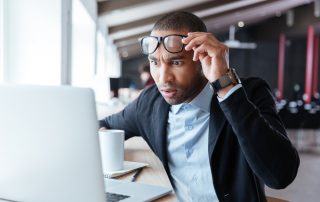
[[94, 43]]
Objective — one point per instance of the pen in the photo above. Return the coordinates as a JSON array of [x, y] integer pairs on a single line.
[[134, 177]]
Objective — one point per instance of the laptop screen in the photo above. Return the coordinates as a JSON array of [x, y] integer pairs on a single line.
[[49, 147]]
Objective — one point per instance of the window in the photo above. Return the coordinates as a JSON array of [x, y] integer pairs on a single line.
[[32, 51], [83, 46], [101, 84]]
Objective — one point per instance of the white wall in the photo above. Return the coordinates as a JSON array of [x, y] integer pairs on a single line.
[[53, 42], [113, 60], [102, 82], [83, 46], [33, 42], [92, 8], [88, 64], [112, 57]]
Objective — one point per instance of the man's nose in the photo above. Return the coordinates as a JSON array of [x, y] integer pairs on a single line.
[[166, 75]]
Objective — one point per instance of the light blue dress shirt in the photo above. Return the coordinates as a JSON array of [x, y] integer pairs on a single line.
[[187, 139]]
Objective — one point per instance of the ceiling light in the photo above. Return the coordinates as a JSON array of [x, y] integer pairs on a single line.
[[240, 24], [233, 43], [125, 54]]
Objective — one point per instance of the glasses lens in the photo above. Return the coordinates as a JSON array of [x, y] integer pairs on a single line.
[[149, 44], [173, 44]]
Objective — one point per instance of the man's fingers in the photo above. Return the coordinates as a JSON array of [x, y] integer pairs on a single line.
[[205, 59], [208, 49], [193, 43], [195, 39], [205, 35], [190, 36], [212, 54], [200, 50]]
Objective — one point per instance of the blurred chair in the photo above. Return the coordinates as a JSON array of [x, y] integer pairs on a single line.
[[311, 117], [292, 115], [310, 125]]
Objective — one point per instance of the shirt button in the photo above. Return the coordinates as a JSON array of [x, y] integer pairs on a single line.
[[189, 152], [189, 127], [185, 107], [194, 178]]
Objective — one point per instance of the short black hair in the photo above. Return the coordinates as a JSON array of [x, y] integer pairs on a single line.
[[180, 20]]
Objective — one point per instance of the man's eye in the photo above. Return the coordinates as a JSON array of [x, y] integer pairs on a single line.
[[153, 62], [177, 62]]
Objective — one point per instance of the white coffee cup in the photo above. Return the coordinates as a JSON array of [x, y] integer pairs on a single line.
[[112, 149]]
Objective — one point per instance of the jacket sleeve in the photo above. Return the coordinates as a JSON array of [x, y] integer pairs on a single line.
[[125, 120], [262, 137]]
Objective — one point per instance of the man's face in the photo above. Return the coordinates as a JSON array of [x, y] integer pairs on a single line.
[[178, 78]]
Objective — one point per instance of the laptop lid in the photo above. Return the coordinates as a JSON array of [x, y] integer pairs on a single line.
[[47, 149]]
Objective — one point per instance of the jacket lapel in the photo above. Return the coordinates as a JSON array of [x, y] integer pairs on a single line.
[[217, 121], [160, 130]]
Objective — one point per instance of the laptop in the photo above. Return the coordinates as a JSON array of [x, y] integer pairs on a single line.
[[49, 149]]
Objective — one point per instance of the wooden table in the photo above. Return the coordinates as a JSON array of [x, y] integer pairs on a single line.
[[136, 149]]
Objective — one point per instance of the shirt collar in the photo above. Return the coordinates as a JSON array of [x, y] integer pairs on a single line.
[[202, 100], [176, 108]]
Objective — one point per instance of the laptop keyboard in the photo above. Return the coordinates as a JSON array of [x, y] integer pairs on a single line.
[[112, 197]]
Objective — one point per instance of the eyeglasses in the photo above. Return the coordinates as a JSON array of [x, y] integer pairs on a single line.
[[172, 43]]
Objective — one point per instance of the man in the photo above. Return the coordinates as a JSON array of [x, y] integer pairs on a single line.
[[145, 75], [218, 139]]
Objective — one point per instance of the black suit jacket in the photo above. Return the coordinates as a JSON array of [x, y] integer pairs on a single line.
[[248, 145]]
